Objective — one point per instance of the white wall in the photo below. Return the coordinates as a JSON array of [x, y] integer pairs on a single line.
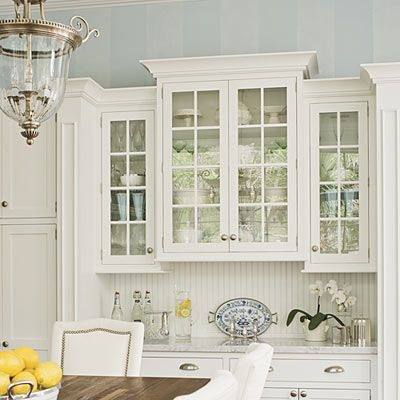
[[281, 286]]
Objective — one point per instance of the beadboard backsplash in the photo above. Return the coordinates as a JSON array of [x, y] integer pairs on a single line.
[[281, 286]]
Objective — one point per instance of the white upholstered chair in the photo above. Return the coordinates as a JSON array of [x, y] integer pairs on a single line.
[[223, 386], [252, 370], [101, 347]]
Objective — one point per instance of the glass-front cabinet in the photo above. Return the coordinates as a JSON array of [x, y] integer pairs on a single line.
[[127, 188], [229, 166], [339, 183], [195, 167], [263, 165]]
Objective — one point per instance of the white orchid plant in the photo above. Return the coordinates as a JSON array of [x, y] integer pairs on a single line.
[[340, 296], [318, 289]]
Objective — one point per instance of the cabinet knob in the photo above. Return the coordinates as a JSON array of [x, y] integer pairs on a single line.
[[188, 367], [293, 393], [4, 204], [5, 343], [224, 237], [303, 393], [315, 248], [150, 250], [233, 237]]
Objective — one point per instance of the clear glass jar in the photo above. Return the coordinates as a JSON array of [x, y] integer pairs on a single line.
[[183, 315]]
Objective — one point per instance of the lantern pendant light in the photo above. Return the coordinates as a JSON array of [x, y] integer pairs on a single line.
[[34, 62]]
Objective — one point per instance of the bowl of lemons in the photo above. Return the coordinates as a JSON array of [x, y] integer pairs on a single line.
[[23, 375]]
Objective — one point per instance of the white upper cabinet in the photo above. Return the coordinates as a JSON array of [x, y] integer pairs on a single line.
[[195, 167], [228, 131], [28, 173], [128, 188], [339, 183], [263, 189]]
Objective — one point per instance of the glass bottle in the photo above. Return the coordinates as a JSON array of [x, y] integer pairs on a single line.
[[137, 311], [117, 312], [147, 307], [183, 315]]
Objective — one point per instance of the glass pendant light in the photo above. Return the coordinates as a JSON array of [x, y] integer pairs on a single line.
[[34, 63]]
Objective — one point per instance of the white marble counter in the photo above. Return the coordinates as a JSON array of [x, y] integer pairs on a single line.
[[222, 345]]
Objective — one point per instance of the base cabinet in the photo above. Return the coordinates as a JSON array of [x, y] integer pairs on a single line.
[[28, 276], [315, 394]]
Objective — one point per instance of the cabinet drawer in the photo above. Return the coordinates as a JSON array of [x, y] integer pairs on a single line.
[[306, 370], [309, 370], [181, 367]]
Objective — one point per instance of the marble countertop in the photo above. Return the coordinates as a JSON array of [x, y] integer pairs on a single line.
[[223, 345]]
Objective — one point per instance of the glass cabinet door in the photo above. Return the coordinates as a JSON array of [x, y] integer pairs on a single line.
[[263, 165], [339, 183], [128, 188], [195, 167]]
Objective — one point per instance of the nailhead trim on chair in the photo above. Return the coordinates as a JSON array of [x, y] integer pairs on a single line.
[[83, 331]]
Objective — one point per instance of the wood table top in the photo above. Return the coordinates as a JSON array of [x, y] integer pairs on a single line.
[[110, 388]]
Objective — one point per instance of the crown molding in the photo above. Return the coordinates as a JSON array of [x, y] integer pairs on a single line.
[[7, 7]]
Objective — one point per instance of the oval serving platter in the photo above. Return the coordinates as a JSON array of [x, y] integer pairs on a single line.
[[243, 311]]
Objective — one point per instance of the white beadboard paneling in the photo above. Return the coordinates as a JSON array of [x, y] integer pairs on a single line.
[[281, 286]]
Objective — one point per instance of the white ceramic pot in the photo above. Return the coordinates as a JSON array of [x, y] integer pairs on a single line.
[[318, 334]]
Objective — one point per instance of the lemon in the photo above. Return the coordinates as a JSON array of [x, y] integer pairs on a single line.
[[48, 374], [4, 382], [185, 313], [30, 357], [11, 363], [24, 376]]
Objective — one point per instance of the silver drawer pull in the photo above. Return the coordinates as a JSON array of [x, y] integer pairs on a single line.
[[336, 369], [271, 369], [188, 367]]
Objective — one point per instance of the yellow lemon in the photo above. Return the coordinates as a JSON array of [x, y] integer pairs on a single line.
[[185, 313], [48, 374], [186, 303], [11, 363], [24, 376], [4, 383], [30, 357], [30, 370]]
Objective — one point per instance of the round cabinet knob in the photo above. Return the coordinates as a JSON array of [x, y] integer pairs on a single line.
[[4, 204], [233, 237], [5, 344], [293, 393], [224, 237], [315, 248], [150, 250], [303, 393]]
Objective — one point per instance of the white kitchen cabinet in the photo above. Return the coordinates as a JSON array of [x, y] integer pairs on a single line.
[[227, 134], [341, 214], [128, 188], [315, 394], [28, 274], [28, 173]]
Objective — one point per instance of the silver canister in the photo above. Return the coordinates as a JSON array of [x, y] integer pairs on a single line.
[[361, 331]]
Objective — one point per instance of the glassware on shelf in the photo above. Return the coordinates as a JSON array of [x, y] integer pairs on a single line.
[[183, 315], [137, 136], [137, 310], [138, 200], [121, 200], [117, 312]]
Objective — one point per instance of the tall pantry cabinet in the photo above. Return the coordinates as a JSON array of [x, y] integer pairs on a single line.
[[28, 302]]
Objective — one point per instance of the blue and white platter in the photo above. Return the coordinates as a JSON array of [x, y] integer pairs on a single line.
[[241, 313]]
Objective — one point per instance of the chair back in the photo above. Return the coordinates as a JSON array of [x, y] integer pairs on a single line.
[[223, 386], [252, 370], [101, 347]]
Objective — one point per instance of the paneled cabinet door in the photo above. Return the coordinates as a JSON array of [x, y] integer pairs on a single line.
[[339, 183], [29, 279], [263, 152], [333, 394], [195, 167], [280, 394], [128, 188], [28, 176]]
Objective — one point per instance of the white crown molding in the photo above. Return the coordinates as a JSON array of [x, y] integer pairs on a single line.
[[7, 8], [383, 72], [304, 61]]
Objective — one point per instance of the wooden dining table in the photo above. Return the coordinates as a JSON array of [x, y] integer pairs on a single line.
[[110, 388]]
